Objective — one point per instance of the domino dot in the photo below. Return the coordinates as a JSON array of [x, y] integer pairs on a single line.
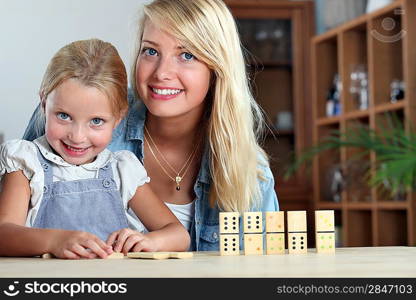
[[293, 247], [272, 239], [301, 247], [225, 244], [294, 238]]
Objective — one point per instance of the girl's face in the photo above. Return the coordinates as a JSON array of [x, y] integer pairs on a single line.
[[170, 80], [79, 121]]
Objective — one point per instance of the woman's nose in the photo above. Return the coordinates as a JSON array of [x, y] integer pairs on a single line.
[[165, 69]]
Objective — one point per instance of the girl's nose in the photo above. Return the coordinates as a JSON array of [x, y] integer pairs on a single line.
[[77, 134]]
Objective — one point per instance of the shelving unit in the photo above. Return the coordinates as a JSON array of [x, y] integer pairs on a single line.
[[385, 42], [277, 34]]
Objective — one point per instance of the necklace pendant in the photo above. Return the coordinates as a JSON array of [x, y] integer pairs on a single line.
[[178, 179]]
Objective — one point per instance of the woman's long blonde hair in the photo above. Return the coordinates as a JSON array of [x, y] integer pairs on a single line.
[[207, 29]]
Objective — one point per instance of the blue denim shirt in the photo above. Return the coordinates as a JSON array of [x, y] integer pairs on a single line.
[[205, 226]]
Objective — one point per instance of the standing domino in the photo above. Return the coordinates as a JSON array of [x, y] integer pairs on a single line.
[[229, 233], [325, 231], [275, 232], [253, 233], [297, 232]]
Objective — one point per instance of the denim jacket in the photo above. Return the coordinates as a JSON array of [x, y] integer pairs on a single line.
[[205, 226]]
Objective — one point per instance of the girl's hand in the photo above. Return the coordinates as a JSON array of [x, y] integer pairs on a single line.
[[79, 244], [128, 240]]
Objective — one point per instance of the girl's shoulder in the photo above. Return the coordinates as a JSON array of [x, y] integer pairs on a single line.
[[18, 155], [17, 148]]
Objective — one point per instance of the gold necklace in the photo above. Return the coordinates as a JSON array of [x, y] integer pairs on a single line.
[[178, 178]]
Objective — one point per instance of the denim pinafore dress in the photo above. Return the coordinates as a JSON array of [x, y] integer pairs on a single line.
[[91, 205]]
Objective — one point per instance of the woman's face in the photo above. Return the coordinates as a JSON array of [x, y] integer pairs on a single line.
[[170, 80]]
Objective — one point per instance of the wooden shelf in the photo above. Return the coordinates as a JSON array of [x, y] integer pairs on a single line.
[[381, 108], [328, 121], [366, 218]]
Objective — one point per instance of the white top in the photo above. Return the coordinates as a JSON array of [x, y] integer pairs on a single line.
[[128, 172], [184, 213]]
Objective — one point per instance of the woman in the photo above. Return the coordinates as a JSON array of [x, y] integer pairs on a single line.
[[196, 124]]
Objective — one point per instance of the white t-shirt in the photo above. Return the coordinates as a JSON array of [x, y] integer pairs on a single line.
[[128, 172]]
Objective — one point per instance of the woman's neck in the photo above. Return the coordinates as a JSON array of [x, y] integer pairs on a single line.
[[173, 130]]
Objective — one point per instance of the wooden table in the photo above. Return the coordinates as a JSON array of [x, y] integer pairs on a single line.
[[346, 262]]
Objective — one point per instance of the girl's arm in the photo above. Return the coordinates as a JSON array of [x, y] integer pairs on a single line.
[[166, 233], [18, 240]]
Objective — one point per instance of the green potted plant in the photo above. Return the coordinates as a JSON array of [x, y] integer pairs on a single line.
[[393, 145]]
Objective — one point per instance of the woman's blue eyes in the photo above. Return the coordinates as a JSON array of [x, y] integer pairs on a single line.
[[187, 56], [97, 121], [152, 52], [62, 116]]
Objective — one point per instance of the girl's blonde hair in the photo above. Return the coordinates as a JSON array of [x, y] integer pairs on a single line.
[[207, 29], [94, 63]]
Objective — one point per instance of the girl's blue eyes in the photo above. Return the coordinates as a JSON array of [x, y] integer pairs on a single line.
[[97, 121], [66, 117], [152, 52], [62, 116]]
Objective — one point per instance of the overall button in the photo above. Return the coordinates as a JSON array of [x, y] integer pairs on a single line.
[[106, 183], [45, 189], [105, 167], [215, 236], [45, 166]]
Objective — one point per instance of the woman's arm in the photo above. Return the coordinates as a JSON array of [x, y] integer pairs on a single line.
[[19, 240], [166, 233]]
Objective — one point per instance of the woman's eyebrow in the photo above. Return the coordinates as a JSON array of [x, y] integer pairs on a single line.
[[180, 47]]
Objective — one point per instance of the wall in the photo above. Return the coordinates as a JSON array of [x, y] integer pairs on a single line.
[[32, 31]]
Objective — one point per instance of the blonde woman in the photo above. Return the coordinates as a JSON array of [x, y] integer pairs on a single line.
[[65, 193], [192, 120]]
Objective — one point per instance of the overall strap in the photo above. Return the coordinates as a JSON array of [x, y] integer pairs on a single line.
[[106, 172], [47, 168]]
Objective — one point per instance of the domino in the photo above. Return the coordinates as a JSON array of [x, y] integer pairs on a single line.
[[325, 231], [181, 255], [115, 255], [275, 232], [149, 255], [160, 255], [229, 233], [297, 232]]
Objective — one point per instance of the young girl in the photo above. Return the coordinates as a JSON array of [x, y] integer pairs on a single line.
[[192, 120], [65, 193]]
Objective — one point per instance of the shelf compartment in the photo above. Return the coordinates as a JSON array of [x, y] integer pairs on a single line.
[[357, 166], [387, 54], [354, 66], [392, 228], [326, 67], [330, 173], [359, 228]]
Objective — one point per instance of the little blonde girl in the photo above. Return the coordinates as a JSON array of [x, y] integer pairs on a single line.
[[65, 193]]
